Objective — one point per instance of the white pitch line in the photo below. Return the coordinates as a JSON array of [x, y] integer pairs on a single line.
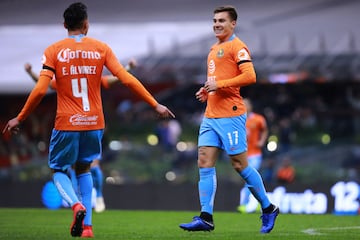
[[316, 231]]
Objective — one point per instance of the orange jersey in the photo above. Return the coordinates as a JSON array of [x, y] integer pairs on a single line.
[[104, 82], [255, 124], [224, 66], [286, 174], [77, 63], [229, 64]]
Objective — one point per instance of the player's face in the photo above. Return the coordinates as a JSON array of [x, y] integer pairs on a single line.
[[223, 26]]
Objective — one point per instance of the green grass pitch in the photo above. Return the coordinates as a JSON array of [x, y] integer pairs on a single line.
[[24, 223]]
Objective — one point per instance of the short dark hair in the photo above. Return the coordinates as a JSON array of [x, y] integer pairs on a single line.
[[75, 15], [227, 8]]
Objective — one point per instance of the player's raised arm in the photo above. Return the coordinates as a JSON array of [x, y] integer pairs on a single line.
[[32, 74], [135, 85], [35, 77], [108, 80]]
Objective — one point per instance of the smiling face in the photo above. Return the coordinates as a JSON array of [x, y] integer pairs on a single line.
[[223, 26]]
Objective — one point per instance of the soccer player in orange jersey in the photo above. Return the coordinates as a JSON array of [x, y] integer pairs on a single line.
[[229, 68], [257, 133], [77, 63], [95, 168]]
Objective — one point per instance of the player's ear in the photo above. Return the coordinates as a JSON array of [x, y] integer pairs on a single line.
[[233, 24], [86, 26], [65, 26]]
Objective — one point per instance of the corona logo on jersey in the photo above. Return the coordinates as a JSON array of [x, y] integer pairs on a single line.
[[65, 55]]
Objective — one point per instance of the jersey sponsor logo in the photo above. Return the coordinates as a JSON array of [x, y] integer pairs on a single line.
[[243, 55], [79, 119], [220, 53], [66, 54], [211, 66]]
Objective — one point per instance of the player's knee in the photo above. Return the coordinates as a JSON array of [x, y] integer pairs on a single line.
[[238, 163], [205, 163], [95, 163], [238, 168], [201, 163]]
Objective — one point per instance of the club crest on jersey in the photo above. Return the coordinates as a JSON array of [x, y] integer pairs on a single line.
[[220, 53]]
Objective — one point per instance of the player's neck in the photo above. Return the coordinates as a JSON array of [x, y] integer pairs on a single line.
[[75, 32], [227, 38]]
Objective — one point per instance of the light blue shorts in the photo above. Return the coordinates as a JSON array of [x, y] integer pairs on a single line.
[[68, 147], [228, 134]]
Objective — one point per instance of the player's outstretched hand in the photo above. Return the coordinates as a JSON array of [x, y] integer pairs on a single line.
[[28, 67], [201, 95], [12, 126], [132, 63], [164, 111]]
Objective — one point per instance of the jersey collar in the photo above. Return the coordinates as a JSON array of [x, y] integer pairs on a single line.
[[232, 37], [77, 37]]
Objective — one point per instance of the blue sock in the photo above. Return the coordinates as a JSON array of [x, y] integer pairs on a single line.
[[65, 188], [97, 176], [74, 181], [207, 189], [255, 185], [244, 195], [85, 187]]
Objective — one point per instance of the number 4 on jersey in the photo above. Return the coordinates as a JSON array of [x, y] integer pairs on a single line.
[[83, 93]]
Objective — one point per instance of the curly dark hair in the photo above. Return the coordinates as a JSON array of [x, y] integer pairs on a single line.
[[75, 15]]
